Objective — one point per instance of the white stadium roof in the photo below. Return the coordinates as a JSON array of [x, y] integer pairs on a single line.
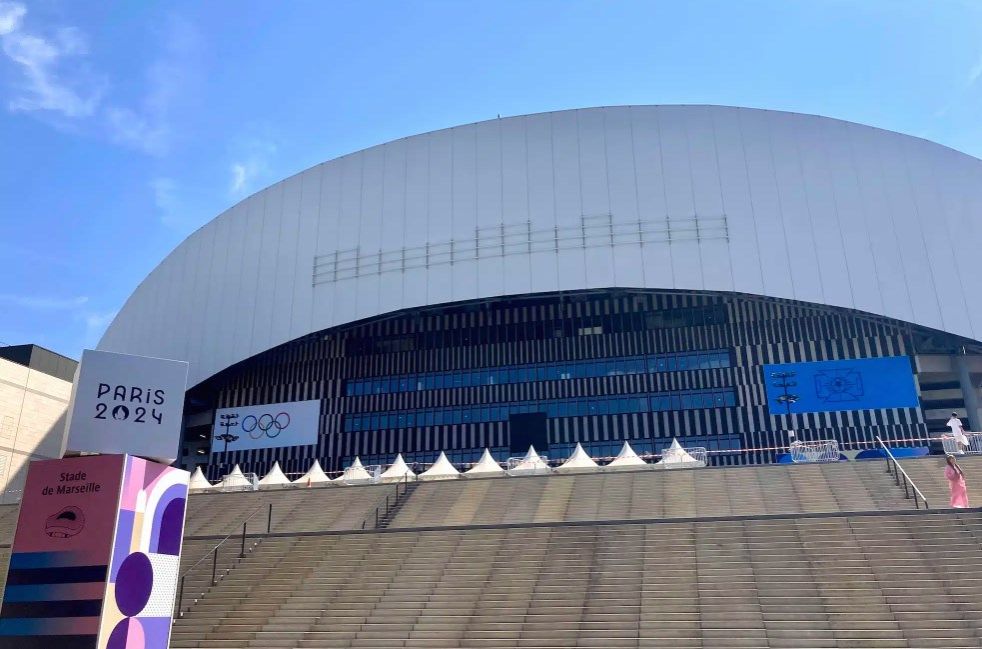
[[663, 197]]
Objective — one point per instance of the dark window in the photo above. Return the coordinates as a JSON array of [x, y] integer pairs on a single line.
[[687, 400], [553, 371]]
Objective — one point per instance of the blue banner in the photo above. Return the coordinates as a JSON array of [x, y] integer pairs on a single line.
[[827, 386]]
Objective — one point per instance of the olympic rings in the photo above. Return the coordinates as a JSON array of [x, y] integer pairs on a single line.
[[266, 424]]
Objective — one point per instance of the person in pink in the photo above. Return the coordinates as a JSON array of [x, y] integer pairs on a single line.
[[956, 483]]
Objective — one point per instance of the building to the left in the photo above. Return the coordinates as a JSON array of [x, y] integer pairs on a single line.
[[35, 388]]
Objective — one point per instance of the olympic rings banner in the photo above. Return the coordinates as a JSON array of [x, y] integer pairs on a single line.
[[268, 426]]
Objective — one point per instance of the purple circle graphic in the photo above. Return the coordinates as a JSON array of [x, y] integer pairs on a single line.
[[134, 581], [171, 527], [117, 639], [128, 634]]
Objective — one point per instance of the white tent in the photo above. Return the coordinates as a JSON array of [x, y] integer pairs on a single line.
[[198, 481], [486, 467], [275, 477], [398, 471], [442, 469], [315, 475], [578, 461], [235, 480], [675, 457], [626, 459], [531, 464], [356, 473]]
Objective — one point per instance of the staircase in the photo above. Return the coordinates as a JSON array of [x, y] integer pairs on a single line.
[[646, 494], [874, 580], [313, 509], [928, 473], [203, 566], [816, 556], [401, 498]]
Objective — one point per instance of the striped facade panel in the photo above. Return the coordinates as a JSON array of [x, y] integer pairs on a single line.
[[478, 348]]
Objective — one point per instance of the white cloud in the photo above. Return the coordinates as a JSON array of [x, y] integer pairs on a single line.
[[11, 14], [173, 75], [974, 73], [238, 177], [173, 206], [166, 200], [138, 130], [42, 302], [27, 255], [250, 165], [55, 77], [57, 81], [971, 77], [63, 311], [163, 192], [96, 323], [244, 174]]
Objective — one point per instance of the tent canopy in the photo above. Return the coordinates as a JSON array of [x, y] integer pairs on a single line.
[[626, 459], [235, 480], [578, 461], [398, 471], [198, 481], [315, 474], [675, 456], [356, 473], [442, 469], [486, 467], [275, 477], [532, 463]]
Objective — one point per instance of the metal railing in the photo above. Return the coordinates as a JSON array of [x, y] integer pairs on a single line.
[[816, 451], [952, 447], [910, 489], [213, 553], [391, 500]]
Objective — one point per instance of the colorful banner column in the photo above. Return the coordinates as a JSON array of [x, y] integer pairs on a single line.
[[96, 555]]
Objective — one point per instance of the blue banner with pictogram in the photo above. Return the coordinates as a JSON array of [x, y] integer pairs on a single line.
[[827, 386]]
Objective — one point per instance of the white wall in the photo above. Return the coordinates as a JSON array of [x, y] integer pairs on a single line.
[[816, 209], [32, 422]]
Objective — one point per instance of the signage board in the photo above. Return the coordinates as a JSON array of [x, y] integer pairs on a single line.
[[145, 567], [127, 404], [269, 426], [94, 562], [855, 384]]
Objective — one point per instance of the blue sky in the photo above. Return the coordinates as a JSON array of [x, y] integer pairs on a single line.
[[124, 126]]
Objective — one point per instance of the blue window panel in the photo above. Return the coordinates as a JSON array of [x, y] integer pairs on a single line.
[[596, 406], [549, 372]]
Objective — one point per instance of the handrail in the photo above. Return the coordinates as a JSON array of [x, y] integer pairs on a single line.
[[898, 471], [213, 553], [404, 483]]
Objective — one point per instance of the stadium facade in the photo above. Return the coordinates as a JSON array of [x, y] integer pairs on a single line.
[[718, 274]]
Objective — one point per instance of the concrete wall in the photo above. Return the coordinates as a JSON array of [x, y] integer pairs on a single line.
[[33, 407]]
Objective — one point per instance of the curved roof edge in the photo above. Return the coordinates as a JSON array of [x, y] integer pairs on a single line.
[[803, 200]]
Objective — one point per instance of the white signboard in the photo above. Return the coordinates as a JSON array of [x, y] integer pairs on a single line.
[[127, 404], [269, 426]]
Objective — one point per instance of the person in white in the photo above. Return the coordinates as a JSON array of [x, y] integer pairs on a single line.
[[958, 432]]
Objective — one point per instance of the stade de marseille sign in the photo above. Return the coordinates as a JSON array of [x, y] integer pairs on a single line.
[[95, 558], [96, 555], [127, 404]]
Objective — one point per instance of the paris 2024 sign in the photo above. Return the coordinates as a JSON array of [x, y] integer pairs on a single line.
[[127, 404]]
